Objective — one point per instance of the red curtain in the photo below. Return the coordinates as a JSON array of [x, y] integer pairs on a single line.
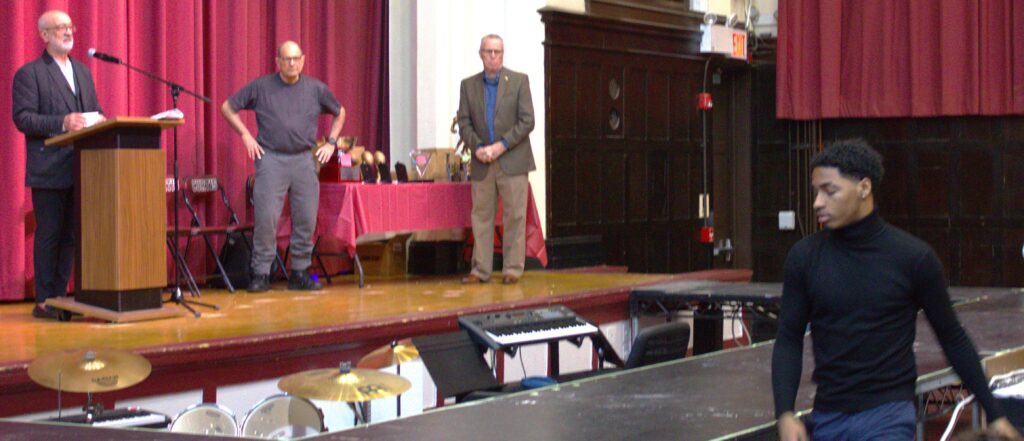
[[883, 58], [213, 47]]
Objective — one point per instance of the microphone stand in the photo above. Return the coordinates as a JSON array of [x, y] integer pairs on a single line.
[[176, 89]]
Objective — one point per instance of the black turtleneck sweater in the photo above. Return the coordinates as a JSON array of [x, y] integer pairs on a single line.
[[860, 287]]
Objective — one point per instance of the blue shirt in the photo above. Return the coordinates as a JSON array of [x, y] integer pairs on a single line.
[[490, 98]]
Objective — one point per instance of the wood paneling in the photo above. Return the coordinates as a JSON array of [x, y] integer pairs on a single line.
[[633, 182], [955, 182]]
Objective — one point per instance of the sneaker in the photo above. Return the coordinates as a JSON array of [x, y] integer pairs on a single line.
[[45, 312], [259, 283], [301, 281]]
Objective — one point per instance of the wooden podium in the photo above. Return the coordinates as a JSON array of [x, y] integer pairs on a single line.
[[120, 257]]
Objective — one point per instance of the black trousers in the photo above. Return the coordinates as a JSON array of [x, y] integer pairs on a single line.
[[54, 245]]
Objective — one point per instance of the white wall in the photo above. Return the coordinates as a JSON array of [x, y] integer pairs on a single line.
[[402, 78], [434, 46]]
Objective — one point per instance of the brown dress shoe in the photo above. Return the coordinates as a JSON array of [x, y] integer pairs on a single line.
[[472, 278], [509, 279]]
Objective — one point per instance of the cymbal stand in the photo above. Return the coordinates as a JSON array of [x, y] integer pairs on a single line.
[[91, 410], [398, 371]]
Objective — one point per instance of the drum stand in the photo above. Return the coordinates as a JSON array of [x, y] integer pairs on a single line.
[[398, 398], [91, 410], [361, 410]]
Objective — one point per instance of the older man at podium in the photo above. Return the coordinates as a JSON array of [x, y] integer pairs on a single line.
[[51, 96], [287, 105]]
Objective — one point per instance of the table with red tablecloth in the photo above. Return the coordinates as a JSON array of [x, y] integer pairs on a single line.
[[350, 210]]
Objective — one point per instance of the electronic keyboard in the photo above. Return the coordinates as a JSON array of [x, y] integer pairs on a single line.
[[120, 418], [498, 330]]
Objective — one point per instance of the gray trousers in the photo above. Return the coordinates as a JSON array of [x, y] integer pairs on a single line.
[[278, 174]]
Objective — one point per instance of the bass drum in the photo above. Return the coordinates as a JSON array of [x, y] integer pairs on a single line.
[[206, 419], [283, 417]]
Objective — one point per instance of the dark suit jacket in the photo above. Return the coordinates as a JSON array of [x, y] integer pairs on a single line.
[[41, 99], [513, 121]]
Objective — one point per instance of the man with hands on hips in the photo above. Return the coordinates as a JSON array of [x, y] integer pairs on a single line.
[[287, 105]]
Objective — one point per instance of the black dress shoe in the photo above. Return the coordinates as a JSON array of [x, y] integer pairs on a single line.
[[45, 312], [301, 281], [259, 283]]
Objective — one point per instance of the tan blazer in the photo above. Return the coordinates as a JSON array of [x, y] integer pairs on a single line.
[[513, 121]]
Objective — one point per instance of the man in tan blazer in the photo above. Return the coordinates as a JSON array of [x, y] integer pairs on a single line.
[[495, 120]]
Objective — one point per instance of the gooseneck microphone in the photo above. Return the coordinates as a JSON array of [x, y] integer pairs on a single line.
[[103, 56]]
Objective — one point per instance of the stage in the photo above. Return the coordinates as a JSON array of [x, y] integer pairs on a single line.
[[693, 398], [263, 336]]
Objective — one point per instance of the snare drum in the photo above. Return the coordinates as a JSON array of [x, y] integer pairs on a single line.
[[206, 419], [283, 417]]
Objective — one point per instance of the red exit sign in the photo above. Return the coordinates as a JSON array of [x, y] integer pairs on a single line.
[[739, 45]]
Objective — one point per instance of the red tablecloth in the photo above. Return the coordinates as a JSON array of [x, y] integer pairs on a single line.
[[350, 210]]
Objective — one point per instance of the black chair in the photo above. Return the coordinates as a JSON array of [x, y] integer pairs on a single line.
[[660, 343], [654, 344], [194, 189]]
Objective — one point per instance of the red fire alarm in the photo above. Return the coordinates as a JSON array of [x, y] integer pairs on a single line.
[[704, 101], [707, 234]]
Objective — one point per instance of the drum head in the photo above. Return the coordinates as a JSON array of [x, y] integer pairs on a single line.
[[283, 417], [205, 419]]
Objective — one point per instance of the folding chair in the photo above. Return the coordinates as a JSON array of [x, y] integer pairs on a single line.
[[192, 190], [250, 184], [183, 273]]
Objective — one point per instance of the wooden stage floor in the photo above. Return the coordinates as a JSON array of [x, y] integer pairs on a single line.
[[260, 336], [280, 311]]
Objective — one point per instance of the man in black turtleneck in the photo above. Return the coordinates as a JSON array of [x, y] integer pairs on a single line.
[[859, 283]]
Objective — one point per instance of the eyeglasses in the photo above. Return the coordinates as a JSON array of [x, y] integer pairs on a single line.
[[491, 52], [64, 28], [288, 60]]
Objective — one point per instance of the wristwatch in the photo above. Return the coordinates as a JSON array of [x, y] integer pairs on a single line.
[[332, 141]]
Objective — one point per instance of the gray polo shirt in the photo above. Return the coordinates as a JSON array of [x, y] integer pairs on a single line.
[[286, 114]]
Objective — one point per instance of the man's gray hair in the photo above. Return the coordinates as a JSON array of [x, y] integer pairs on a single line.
[[494, 36], [43, 20]]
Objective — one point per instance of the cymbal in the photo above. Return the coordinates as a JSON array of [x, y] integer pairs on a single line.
[[89, 370], [344, 384], [400, 352]]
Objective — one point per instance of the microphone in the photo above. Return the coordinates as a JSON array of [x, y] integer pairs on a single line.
[[103, 56]]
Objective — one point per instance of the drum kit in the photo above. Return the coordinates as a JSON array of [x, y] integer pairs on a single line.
[[284, 416]]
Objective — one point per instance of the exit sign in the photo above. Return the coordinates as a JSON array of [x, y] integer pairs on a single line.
[[739, 45], [719, 39]]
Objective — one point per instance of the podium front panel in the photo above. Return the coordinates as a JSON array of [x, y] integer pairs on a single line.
[[123, 219]]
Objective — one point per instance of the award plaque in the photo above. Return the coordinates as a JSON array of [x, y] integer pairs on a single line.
[[401, 174]]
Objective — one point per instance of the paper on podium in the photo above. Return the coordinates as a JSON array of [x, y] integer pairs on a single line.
[[91, 118], [169, 114]]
